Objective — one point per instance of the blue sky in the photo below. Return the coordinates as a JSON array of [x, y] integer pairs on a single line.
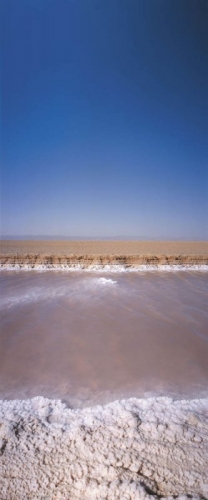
[[104, 118]]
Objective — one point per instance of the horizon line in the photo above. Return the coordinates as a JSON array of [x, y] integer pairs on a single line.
[[97, 238]]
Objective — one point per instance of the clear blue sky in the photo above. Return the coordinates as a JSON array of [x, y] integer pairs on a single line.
[[104, 118]]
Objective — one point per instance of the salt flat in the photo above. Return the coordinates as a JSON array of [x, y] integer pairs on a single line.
[[94, 337], [136, 449]]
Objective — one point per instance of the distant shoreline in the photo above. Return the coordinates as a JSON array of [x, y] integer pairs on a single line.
[[86, 261], [102, 253]]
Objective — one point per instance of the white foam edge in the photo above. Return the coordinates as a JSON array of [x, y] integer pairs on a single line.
[[40, 404], [117, 268]]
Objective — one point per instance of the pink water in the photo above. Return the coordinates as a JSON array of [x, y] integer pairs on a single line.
[[93, 337]]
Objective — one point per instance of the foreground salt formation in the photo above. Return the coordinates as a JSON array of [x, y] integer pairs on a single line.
[[133, 449]]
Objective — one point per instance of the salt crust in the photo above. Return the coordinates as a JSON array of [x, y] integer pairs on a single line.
[[136, 449], [106, 268]]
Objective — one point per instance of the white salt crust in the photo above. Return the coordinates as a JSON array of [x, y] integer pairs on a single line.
[[128, 450], [117, 268]]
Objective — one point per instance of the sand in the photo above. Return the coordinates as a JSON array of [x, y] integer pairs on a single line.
[[129, 253]]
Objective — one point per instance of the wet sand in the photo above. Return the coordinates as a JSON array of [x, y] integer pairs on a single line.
[[103, 252]]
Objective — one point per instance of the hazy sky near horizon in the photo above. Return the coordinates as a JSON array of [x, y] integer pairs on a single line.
[[104, 118]]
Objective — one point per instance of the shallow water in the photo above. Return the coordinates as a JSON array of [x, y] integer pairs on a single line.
[[93, 337]]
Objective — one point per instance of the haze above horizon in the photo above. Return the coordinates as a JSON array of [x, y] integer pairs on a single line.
[[104, 119]]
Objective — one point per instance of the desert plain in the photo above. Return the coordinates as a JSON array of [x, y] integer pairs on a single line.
[[36, 252]]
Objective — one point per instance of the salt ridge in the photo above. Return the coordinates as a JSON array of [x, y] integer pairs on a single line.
[[135, 449], [104, 268]]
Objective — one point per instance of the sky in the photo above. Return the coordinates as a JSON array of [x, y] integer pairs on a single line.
[[104, 118]]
